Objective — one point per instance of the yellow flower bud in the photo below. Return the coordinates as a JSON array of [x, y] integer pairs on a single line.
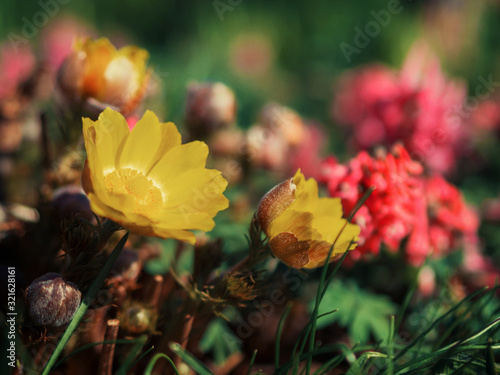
[[301, 227], [98, 75], [275, 202]]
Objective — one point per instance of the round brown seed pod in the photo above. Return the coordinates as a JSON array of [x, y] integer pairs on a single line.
[[52, 301]]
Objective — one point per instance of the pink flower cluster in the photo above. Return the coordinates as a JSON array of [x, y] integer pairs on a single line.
[[427, 212], [417, 105], [16, 65]]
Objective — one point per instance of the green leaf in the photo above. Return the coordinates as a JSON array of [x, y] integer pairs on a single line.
[[220, 340], [361, 312]]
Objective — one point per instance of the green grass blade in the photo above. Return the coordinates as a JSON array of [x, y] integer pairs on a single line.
[[435, 322], [153, 361], [87, 301], [483, 331], [490, 360], [472, 361], [141, 356], [305, 333], [287, 310], [390, 348], [330, 364], [85, 347], [252, 361], [130, 360], [322, 287], [319, 298], [446, 351], [404, 306]]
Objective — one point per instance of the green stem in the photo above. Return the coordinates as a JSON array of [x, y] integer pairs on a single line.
[[87, 301]]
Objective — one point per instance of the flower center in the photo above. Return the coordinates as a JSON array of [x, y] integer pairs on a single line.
[[147, 198]]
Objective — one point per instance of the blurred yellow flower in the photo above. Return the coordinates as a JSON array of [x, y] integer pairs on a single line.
[[302, 227], [146, 180], [97, 71]]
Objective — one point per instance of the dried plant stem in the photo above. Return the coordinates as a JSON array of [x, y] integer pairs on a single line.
[[156, 290], [186, 330], [39, 361], [108, 350], [46, 156]]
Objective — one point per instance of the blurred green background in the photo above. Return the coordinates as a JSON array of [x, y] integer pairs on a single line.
[[295, 45]]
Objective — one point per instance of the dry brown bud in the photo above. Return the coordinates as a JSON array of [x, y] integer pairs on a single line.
[[282, 120], [275, 202], [209, 107], [52, 301]]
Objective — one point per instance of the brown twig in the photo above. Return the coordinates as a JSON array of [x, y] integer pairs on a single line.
[[186, 330], [108, 350], [46, 157], [156, 291]]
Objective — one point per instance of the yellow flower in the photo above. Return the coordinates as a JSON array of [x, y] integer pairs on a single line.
[[146, 180], [302, 227], [97, 71]]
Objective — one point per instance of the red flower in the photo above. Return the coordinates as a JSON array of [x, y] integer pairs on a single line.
[[429, 213], [450, 218], [388, 215], [418, 106]]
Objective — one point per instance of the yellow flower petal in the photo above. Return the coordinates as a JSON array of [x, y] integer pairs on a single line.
[[109, 134], [148, 134], [147, 181], [188, 156]]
